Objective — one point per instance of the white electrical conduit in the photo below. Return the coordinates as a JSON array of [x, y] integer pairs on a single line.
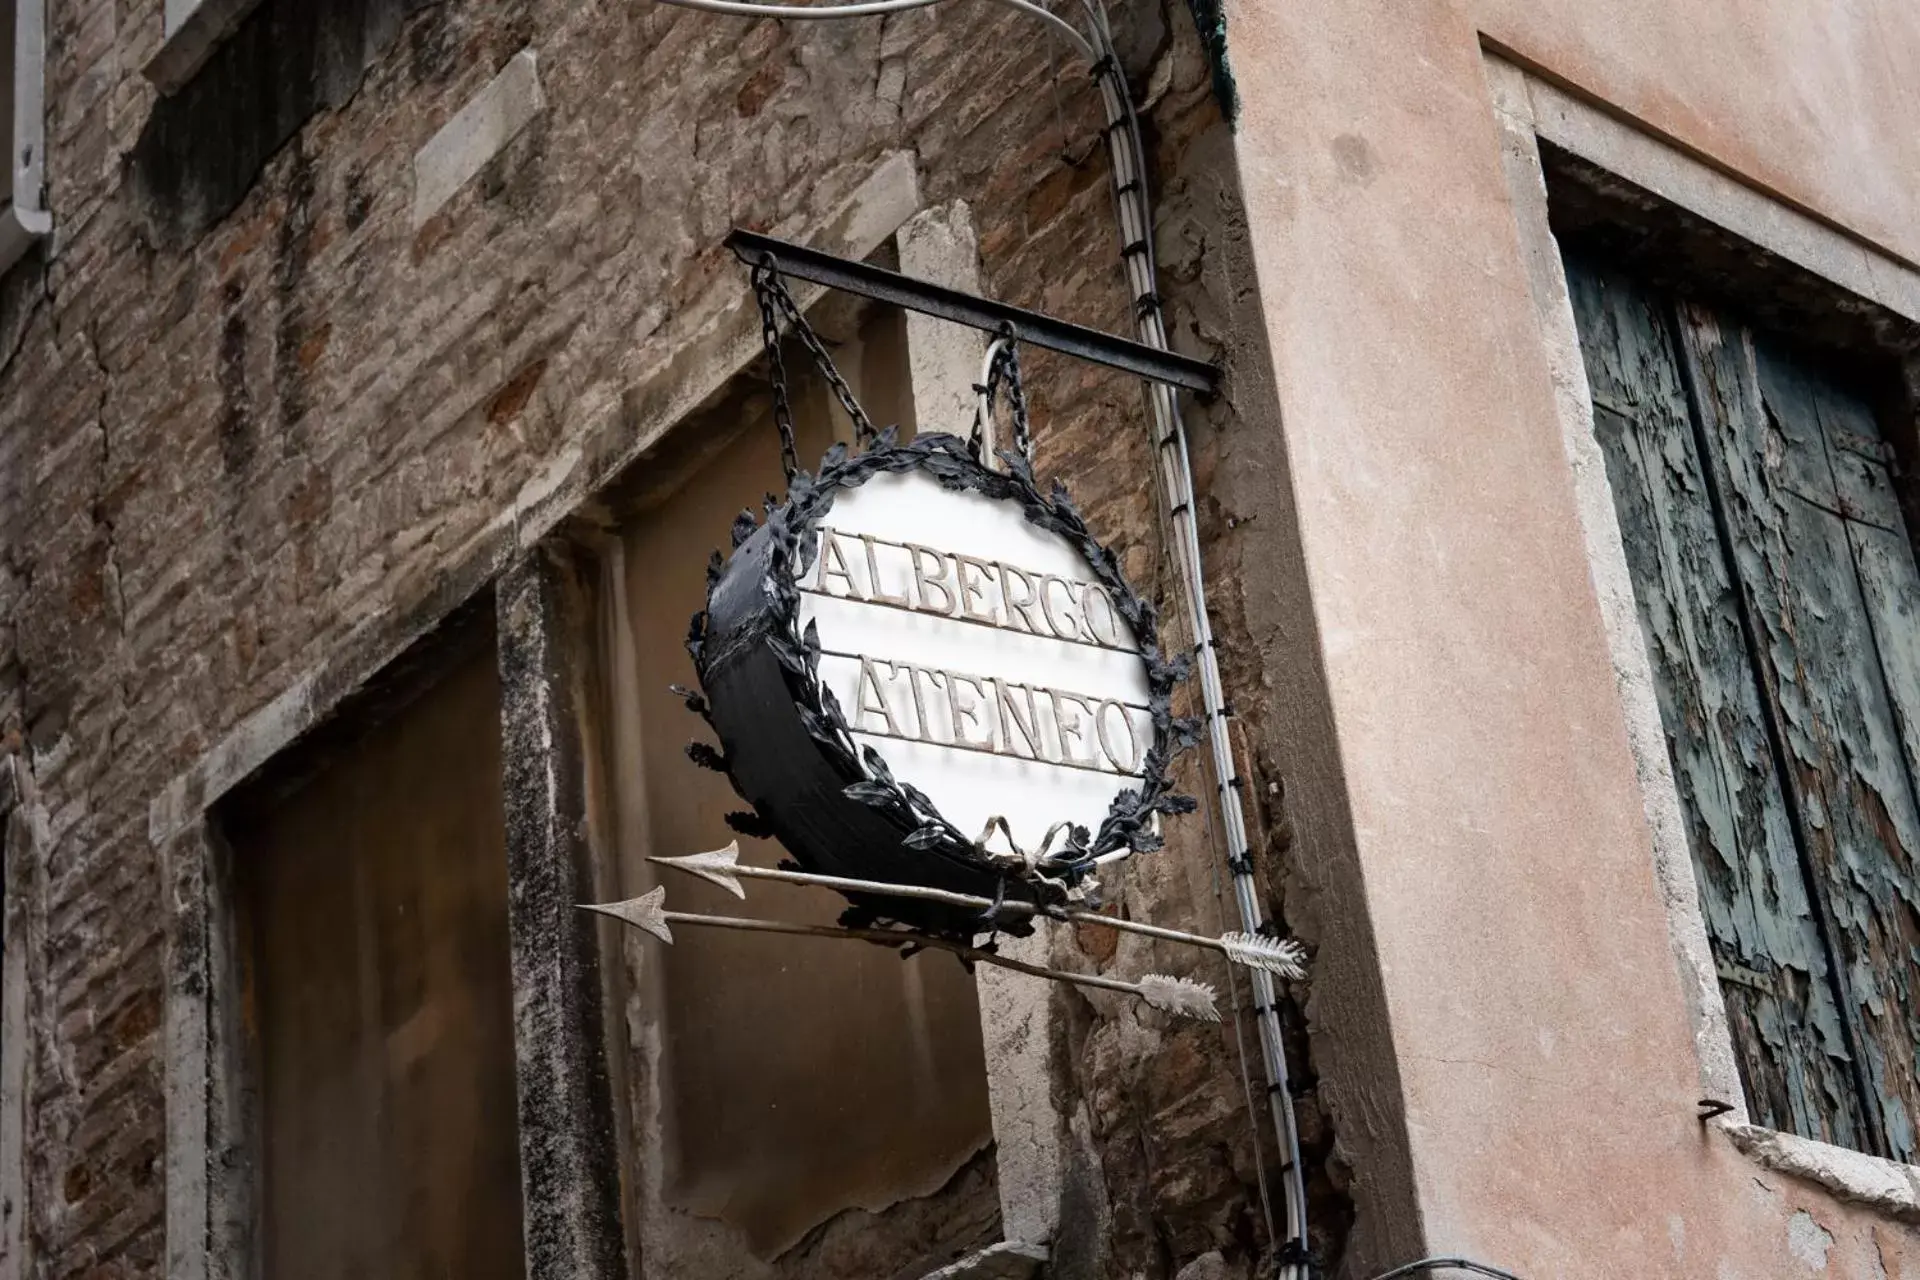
[[1175, 473], [983, 423]]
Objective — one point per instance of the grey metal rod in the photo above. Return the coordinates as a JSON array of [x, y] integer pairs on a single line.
[[723, 867], [935, 300]]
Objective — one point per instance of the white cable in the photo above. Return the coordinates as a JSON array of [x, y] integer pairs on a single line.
[[1170, 445], [868, 8], [983, 424]]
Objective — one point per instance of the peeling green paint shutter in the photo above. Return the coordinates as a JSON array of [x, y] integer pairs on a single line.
[[1779, 599]]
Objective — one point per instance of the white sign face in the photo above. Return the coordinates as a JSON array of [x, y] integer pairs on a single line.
[[978, 654]]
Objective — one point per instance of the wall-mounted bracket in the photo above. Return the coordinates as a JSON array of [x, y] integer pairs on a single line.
[[943, 303]]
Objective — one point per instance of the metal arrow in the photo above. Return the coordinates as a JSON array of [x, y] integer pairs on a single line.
[[1181, 996], [1282, 956]]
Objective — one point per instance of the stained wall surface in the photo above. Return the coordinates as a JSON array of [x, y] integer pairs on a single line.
[[373, 900], [778, 1083], [1547, 1063]]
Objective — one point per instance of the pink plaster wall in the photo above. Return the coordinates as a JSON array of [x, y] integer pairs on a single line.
[[1817, 103], [1544, 1051]]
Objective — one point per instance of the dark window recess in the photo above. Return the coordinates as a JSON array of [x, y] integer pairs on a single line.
[[1779, 600], [371, 895], [203, 147]]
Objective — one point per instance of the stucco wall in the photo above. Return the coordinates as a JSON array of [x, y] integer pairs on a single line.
[[1548, 1072]]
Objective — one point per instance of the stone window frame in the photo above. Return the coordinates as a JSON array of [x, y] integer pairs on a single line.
[[24, 217], [1531, 109], [526, 558]]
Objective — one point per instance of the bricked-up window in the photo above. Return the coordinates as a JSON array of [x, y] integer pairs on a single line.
[[371, 899], [802, 1107], [1777, 590]]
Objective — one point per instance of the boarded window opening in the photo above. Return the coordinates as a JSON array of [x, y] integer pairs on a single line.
[[802, 1107], [371, 897], [1778, 595]]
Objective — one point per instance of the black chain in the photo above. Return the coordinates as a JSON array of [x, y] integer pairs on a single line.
[[765, 282], [1017, 399], [770, 291], [1006, 368]]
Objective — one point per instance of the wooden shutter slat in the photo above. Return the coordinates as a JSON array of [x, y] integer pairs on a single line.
[[1820, 661], [1780, 1002]]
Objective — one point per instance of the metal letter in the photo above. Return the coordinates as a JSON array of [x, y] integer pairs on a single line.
[[1075, 732], [1072, 630], [970, 589], [874, 588], [1089, 593], [1010, 719], [962, 714], [919, 700], [830, 556], [877, 705], [1132, 763], [1021, 608], [938, 581]]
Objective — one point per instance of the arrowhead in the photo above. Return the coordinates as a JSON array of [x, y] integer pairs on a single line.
[[648, 911], [715, 866]]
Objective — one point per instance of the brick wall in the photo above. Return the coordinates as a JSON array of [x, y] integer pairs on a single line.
[[225, 451]]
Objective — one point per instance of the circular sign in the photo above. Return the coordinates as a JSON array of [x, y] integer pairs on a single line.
[[923, 671]]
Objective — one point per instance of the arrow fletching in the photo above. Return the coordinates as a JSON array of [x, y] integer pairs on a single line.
[[1181, 996], [715, 866], [1283, 956], [648, 911]]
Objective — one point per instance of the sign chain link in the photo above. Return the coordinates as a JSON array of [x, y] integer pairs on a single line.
[[1017, 398], [764, 283], [1003, 367], [775, 302]]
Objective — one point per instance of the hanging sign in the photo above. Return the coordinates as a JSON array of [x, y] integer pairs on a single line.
[[923, 671]]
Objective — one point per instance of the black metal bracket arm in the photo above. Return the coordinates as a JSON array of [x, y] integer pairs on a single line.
[[943, 303]]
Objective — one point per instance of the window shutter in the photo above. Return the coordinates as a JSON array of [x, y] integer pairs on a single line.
[[1777, 593]]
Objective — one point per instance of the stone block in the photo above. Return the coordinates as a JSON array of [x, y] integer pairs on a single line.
[[480, 131]]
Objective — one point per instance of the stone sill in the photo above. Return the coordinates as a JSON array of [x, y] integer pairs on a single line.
[[1886, 1186], [194, 29]]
